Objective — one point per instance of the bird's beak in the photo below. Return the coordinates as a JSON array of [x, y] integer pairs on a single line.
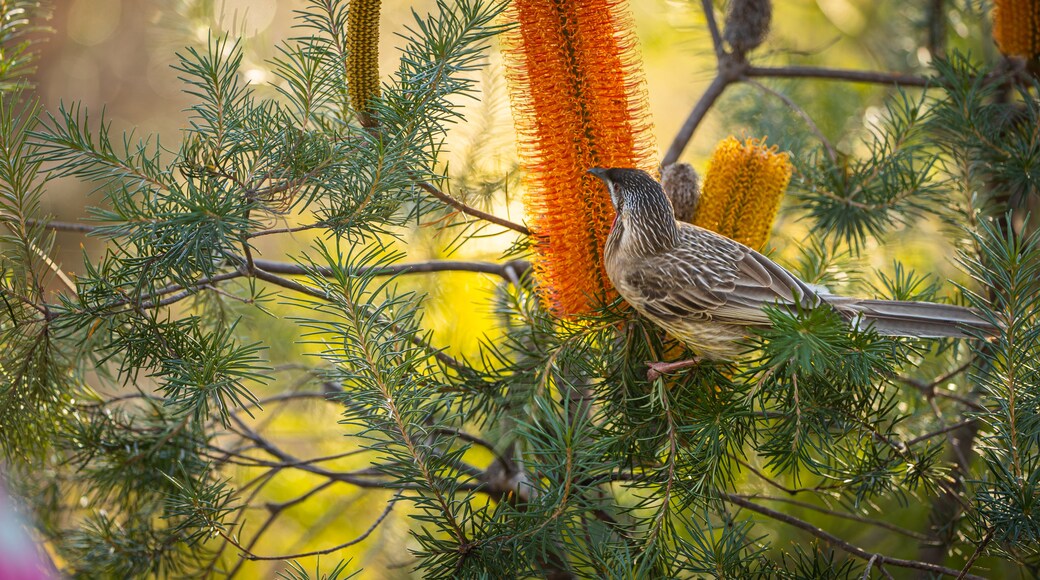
[[601, 173]]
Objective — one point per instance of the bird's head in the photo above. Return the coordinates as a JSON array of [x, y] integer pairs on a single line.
[[634, 191], [625, 184], [640, 202]]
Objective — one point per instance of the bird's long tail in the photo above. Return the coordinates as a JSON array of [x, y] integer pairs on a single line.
[[916, 319]]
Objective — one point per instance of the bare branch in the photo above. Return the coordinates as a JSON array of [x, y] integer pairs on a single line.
[[715, 89], [713, 28], [834, 74], [291, 230], [975, 555], [417, 340], [801, 113], [842, 544], [470, 211], [843, 515], [364, 535], [943, 431], [63, 226], [508, 270]]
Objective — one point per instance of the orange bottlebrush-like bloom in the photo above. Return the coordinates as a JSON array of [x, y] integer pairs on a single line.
[[742, 190], [579, 101], [1016, 27]]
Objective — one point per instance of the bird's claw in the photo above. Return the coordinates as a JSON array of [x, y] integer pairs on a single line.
[[657, 369]]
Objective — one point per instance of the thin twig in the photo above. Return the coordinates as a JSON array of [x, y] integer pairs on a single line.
[[838, 542], [473, 212], [788, 490], [51, 264], [181, 292], [359, 479], [870, 564], [714, 90], [975, 555], [713, 28], [287, 230], [733, 68], [930, 389], [414, 338], [507, 270], [470, 438], [943, 431], [364, 535], [63, 226], [856, 76], [831, 152], [846, 516], [766, 478], [952, 373], [275, 511]]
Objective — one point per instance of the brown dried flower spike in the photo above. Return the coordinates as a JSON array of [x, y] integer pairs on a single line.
[[747, 24]]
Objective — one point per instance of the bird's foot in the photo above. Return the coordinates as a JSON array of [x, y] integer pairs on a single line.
[[656, 369]]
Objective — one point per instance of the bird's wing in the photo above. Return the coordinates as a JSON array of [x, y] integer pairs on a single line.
[[710, 277]]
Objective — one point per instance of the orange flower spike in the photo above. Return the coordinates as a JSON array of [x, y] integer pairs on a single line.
[[579, 101], [743, 187], [1016, 27]]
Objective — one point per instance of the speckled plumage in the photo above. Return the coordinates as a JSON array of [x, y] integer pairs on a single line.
[[706, 289]]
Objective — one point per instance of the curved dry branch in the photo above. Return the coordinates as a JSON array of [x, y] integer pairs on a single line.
[[842, 544]]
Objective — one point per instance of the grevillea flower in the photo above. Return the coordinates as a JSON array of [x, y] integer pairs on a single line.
[[1016, 27], [742, 190], [579, 101]]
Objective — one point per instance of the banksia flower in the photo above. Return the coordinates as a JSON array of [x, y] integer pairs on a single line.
[[363, 57], [1016, 27], [579, 101], [747, 24], [742, 190]]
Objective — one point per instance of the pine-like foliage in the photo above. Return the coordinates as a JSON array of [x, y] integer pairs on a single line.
[[144, 403]]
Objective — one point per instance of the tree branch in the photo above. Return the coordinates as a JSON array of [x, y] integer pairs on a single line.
[[415, 339], [715, 89], [943, 431], [834, 74], [847, 516], [63, 226], [470, 211], [831, 152], [842, 544], [364, 535], [287, 230], [733, 68], [509, 271], [713, 28]]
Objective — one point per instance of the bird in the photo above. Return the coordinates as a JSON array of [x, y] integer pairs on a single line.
[[709, 291]]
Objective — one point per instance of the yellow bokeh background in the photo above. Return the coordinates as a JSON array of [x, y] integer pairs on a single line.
[[116, 55]]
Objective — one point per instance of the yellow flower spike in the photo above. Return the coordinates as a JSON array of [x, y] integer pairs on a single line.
[[742, 190], [363, 57], [1016, 27], [579, 101]]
